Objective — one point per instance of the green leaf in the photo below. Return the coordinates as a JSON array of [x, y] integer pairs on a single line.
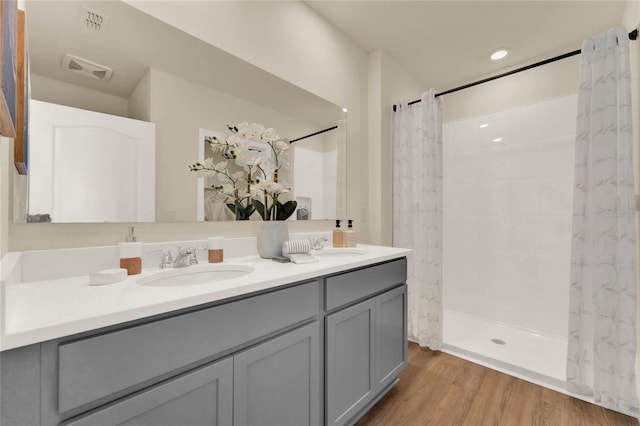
[[283, 211], [260, 209], [244, 212]]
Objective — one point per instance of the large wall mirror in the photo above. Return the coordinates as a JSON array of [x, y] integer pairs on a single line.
[[122, 104]]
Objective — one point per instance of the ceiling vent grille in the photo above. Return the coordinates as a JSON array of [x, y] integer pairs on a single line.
[[86, 68], [92, 20]]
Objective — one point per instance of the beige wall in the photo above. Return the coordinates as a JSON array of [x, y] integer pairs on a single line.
[[57, 92], [140, 99], [180, 108], [550, 81], [287, 39], [6, 164], [388, 84], [291, 41]]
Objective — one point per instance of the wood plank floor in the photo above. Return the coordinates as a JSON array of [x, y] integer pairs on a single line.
[[442, 390]]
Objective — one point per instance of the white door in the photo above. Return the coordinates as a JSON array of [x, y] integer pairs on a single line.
[[90, 167]]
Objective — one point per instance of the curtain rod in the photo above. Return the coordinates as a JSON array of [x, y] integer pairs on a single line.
[[313, 134], [633, 35]]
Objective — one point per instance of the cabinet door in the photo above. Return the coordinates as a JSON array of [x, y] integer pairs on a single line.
[[350, 383], [391, 335], [277, 383], [202, 397]]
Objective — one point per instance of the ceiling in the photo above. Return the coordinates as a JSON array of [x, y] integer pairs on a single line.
[[444, 44]]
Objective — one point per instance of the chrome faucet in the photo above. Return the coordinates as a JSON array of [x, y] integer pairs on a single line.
[[318, 243], [185, 258], [166, 261]]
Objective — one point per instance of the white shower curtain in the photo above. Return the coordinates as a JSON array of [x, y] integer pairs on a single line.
[[417, 212], [602, 317]]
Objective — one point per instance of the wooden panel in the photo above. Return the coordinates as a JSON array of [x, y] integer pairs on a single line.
[[8, 9], [350, 347], [200, 398], [20, 143], [391, 336], [278, 382], [440, 389], [97, 367], [351, 286]]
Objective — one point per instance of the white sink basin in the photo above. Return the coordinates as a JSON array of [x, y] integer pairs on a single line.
[[194, 275], [339, 252]]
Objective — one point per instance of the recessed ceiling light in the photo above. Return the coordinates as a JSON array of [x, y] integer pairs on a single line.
[[344, 110], [499, 54], [483, 125], [497, 140]]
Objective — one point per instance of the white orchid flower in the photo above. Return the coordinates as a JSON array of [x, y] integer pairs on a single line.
[[222, 165], [254, 162], [208, 162], [282, 144], [243, 130], [240, 155], [270, 135], [257, 190], [256, 130], [272, 187], [227, 189], [224, 178]]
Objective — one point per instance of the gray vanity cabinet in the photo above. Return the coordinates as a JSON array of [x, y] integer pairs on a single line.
[[366, 348], [277, 383], [317, 352], [202, 397], [350, 348], [390, 336]]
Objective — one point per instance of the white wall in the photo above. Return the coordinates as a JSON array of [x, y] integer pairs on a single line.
[[316, 174], [49, 90], [507, 215], [388, 84], [287, 39], [330, 184]]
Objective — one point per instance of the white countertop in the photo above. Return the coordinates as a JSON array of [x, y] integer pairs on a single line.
[[38, 311]]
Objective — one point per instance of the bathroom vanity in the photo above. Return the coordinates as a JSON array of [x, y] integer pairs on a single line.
[[284, 345]]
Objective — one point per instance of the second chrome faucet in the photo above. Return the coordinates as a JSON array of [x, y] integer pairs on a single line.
[[185, 257]]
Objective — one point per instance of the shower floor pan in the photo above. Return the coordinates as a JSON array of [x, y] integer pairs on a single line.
[[534, 357]]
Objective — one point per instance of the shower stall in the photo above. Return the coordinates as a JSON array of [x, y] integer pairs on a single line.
[[508, 193]]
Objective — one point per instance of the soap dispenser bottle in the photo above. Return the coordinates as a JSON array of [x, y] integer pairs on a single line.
[[131, 254], [338, 235], [350, 239]]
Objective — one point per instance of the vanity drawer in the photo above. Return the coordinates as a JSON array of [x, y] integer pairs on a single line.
[[97, 367], [348, 287]]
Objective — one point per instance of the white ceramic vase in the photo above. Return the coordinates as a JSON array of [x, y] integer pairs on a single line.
[[271, 236]]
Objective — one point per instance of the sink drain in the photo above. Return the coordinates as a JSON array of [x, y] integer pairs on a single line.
[[498, 341]]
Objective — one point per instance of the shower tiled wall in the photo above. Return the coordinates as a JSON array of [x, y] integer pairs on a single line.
[[508, 193]]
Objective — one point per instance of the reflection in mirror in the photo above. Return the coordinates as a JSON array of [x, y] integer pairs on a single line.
[[236, 166], [132, 69]]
